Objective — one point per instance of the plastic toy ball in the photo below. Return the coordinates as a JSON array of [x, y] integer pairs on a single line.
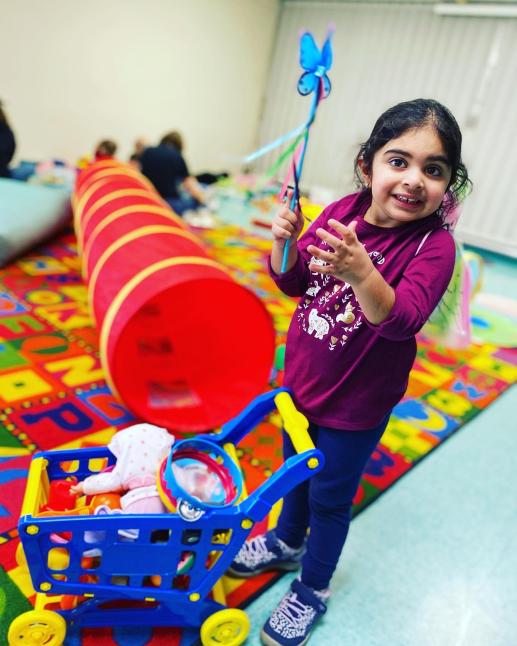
[[198, 475]]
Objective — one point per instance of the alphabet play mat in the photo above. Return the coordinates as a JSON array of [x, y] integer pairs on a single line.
[[53, 395]]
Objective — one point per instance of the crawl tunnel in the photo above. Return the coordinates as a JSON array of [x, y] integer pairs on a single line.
[[182, 343]]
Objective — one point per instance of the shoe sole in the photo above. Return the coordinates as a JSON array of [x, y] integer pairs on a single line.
[[288, 567], [267, 640]]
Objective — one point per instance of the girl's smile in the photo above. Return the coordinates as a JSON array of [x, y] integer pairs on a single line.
[[408, 201], [408, 178]]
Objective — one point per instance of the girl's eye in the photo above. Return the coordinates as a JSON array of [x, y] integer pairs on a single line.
[[397, 162], [435, 171]]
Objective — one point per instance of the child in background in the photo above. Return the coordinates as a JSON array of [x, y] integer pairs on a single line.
[[369, 272], [105, 149], [139, 146]]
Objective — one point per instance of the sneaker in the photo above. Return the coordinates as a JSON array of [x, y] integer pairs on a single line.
[[265, 552], [294, 618]]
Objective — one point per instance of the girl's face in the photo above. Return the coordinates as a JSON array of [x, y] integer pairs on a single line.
[[408, 178]]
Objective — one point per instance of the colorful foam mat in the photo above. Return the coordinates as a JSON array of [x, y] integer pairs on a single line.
[[53, 395]]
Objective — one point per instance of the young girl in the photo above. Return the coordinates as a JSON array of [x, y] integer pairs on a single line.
[[369, 271]]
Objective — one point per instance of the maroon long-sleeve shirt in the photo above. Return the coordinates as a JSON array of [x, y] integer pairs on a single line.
[[345, 372]]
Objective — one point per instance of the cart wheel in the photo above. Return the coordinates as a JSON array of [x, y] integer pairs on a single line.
[[229, 627], [37, 628], [20, 556]]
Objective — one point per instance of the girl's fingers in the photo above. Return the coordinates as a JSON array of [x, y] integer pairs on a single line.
[[287, 223], [352, 226], [290, 223], [338, 226], [290, 195], [281, 233], [327, 256], [322, 269], [283, 227], [335, 242], [347, 232], [289, 215]]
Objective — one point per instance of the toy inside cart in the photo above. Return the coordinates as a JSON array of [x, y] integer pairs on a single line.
[[146, 569]]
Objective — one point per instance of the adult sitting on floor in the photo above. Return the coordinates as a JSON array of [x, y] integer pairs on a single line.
[[7, 144], [166, 168]]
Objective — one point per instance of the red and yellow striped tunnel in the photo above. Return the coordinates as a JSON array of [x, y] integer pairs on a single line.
[[182, 343]]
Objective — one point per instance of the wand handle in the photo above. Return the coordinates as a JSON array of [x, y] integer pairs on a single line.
[[294, 201], [295, 196]]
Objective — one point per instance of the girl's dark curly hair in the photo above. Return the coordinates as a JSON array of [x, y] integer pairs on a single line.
[[417, 114]]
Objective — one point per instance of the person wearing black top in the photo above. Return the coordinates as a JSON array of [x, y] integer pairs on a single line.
[[7, 144], [165, 167]]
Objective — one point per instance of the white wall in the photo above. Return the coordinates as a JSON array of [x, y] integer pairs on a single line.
[[393, 52], [74, 72]]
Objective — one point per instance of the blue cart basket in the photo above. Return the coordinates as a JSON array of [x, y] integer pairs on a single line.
[[87, 573]]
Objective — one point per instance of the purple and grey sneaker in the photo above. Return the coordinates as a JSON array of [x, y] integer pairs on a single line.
[[263, 553], [291, 623]]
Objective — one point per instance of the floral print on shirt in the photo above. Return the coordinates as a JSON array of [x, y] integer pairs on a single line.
[[329, 311]]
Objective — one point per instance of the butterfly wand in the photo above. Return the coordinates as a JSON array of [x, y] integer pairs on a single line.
[[315, 64]]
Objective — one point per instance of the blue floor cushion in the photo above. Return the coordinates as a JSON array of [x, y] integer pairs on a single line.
[[29, 214]]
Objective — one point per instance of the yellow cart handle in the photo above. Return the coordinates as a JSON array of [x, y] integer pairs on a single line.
[[37, 483], [295, 423]]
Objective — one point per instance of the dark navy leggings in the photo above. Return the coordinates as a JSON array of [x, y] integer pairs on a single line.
[[323, 503]]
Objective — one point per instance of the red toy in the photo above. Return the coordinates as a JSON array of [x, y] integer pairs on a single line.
[[182, 343]]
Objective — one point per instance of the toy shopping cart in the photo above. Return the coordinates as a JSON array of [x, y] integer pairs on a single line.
[[146, 569]]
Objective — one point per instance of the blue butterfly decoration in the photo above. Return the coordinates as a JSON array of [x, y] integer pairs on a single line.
[[316, 64]]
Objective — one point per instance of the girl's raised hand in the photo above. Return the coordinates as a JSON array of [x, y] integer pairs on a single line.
[[287, 224], [346, 259]]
